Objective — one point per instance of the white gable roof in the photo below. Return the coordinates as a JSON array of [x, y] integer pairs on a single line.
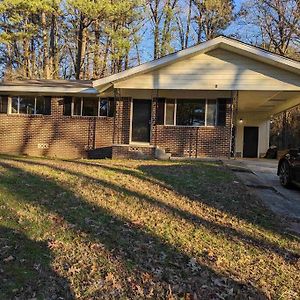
[[221, 42]]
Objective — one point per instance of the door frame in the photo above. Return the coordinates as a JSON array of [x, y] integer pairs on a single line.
[[131, 119], [257, 154]]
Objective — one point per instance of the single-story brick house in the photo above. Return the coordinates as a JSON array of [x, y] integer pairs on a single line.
[[216, 99]]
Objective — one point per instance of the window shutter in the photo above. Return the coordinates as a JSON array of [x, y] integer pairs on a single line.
[[67, 106], [221, 120], [3, 104], [160, 111]]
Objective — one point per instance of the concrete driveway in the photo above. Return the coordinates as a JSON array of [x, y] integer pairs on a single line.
[[260, 176]]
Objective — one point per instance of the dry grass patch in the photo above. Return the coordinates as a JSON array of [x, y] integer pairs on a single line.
[[138, 229]]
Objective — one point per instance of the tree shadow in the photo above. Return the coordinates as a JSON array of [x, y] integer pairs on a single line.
[[25, 269], [173, 271], [249, 210], [229, 232]]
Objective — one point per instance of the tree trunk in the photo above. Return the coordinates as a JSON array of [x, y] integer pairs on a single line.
[[46, 68], [105, 57], [81, 45], [54, 59], [188, 25], [33, 58], [26, 51], [97, 51], [26, 59], [154, 11]]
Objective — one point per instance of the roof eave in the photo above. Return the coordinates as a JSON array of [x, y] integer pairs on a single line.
[[47, 90]]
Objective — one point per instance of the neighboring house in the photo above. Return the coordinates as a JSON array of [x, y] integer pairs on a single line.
[[215, 99]]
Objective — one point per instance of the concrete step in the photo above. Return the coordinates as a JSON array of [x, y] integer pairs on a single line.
[[161, 154]]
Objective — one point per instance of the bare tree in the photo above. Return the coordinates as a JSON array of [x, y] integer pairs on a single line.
[[277, 21]]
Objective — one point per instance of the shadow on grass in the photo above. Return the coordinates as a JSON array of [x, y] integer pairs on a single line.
[[248, 208], [25, 269], [174, 178], [129, 241]]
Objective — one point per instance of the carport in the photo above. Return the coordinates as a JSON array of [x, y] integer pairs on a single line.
[[255, 114]]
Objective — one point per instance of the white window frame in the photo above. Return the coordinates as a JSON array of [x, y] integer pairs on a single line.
[[175, 113], [216, 113], [73, 106], [81, 107], [9, 107]]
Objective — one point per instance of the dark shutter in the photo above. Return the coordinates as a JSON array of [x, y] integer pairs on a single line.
[[47, 105], [3, 104], [160, 111], [111, 107], [67, 106], [221, 120]]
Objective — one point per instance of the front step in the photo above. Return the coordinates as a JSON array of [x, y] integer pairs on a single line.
[[161, 154]]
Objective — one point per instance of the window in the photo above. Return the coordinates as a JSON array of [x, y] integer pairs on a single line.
[[211, 114], [77, 109], [103, 108], [43, 106], [106, 108], [89, 106], [26, 105], [192, 112], [30, 105], [15, 105], [170, 112], [3, 104]]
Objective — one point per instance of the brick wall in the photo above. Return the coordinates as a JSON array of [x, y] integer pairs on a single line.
[[132, 152], [122, 121], [193, 141], [55, 135], [71, 137]]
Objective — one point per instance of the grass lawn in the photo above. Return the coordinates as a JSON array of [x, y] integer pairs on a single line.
[[138, 230]]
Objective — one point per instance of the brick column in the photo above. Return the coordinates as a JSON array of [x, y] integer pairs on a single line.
[[121, 133], [153, 138]]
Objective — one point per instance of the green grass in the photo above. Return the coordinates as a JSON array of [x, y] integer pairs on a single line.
[[136, 230]]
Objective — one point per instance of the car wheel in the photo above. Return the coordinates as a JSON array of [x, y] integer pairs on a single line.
[[285, 175]]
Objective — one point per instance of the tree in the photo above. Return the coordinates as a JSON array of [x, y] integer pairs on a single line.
[[211, 17], [184, 23], [277, 23], [163, 22]]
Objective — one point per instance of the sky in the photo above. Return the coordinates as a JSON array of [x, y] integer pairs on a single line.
[[146, 46]]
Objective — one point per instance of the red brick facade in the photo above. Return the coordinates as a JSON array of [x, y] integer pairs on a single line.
[[72, 137], [193, 141], [55, 135]]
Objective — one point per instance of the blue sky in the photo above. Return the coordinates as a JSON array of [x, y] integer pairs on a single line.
[[146, 47], [238, 3]]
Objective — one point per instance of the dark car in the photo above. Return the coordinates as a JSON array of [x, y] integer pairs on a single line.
[[289, 168]]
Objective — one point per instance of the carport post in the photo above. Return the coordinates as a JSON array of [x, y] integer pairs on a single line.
[[234, 114]]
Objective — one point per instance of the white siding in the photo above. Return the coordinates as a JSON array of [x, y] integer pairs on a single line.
[[215, 70], [256, 119]]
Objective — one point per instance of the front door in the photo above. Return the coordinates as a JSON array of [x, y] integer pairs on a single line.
[[250, 142], [141, 121]]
